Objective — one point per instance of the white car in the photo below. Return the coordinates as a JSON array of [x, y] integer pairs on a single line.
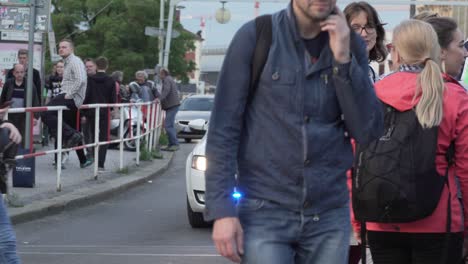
[[192, 108], [195, 183]]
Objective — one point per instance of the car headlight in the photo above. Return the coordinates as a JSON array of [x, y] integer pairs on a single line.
[[199, 163]]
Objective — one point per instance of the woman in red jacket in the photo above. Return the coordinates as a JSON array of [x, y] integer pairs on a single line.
[[452, 44], [419, 85]]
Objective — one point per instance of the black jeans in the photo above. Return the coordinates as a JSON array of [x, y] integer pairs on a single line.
[[50, 117], [103, 126], [415, 248], [69, 122]]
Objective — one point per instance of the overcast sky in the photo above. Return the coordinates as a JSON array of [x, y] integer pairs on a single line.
[[221, 34]]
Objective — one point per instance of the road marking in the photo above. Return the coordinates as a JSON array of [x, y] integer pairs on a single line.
[[111, 246], [117, 254]]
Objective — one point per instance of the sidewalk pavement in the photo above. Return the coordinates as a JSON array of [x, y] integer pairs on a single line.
[[79, 188]]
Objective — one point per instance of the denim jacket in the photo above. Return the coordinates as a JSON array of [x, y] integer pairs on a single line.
[[291, 143]]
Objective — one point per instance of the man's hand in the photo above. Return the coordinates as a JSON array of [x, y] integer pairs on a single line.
[[15, 135], [339, 32], [228, 238]]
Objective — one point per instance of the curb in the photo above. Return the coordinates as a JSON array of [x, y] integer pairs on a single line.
[[87, 195]]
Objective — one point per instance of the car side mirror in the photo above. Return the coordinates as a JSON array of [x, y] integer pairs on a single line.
[[198, 124]]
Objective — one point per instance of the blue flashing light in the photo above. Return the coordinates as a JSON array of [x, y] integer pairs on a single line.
[[236, 195]]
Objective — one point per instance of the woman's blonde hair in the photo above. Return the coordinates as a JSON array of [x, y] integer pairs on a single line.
[[417, 43]]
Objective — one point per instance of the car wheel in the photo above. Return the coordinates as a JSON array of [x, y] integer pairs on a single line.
[[130, 144], [188, 140], [196, 220]]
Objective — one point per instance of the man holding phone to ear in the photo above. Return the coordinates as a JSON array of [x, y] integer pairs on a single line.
[[289, 140]]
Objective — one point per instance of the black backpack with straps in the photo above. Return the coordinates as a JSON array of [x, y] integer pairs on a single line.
[[395, 178]]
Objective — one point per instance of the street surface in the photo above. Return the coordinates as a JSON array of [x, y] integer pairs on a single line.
[[147, 224]]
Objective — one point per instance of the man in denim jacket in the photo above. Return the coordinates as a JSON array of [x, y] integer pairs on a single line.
[[290, 145]]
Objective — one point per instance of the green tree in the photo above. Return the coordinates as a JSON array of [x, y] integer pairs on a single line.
[[115, 29]]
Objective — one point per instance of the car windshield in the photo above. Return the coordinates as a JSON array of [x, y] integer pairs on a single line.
[[197, 104]]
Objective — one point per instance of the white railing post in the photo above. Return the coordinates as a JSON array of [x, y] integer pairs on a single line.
[[157, 126], [151, 126], [96, 142], [160, 125], [139, 118], [59, 148], [148, 127], [121, 136]]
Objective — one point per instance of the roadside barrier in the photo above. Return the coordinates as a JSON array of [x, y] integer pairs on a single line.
[[148, 127]]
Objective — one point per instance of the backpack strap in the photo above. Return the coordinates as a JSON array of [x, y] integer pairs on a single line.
[[263, 27], [450, 157]]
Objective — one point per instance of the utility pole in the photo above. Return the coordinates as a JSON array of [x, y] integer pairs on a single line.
[[29, 84], [161, 36], [412, 9]]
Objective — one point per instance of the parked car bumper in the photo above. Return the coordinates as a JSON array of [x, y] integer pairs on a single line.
[[195, 186]]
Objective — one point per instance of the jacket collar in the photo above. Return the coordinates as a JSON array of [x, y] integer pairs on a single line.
[[68, 59], [450, 79], [292, 23]]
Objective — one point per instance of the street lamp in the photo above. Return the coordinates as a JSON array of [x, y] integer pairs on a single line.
[[223, 15]]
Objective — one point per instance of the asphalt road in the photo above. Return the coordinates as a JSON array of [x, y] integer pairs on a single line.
[[147, 224]]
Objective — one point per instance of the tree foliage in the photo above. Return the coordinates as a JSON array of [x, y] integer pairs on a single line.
[[115, 29]]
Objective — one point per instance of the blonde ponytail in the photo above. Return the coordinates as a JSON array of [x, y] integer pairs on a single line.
[[429, 109], [417, 44]]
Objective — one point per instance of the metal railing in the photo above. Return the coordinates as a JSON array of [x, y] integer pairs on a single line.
[[152, 126]]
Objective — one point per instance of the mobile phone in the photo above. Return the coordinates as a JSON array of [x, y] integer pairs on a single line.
[[6, 104]]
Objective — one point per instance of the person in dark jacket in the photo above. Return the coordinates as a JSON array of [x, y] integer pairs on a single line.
[[15, 90], [286, 148], [170, 102], [101, 90], [54, 83], [23, 60]]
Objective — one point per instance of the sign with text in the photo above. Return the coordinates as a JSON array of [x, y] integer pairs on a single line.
[[9, 54], [17, 17]]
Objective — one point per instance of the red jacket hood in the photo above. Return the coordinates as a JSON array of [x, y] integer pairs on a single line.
[[398, 90]]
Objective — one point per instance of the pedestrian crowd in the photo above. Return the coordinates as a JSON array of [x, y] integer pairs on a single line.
[[74, 82], [331, 157]]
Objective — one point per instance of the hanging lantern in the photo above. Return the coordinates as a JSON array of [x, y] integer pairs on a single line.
[[223, 15]]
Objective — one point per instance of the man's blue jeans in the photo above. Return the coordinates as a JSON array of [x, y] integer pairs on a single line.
[[7, 238], [276, 235], [169, 125]]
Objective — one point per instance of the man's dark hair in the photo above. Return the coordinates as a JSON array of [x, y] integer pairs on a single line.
[[444, 27], [379, 51], [68, 41], [89, 60], [102, 63], [22, 52]]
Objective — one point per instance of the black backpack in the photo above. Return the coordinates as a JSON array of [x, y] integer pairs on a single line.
[[395, 178]]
